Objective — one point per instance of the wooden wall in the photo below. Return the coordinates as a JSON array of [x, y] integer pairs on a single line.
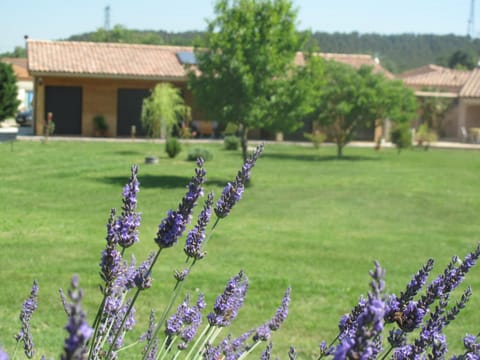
[[99, 97]]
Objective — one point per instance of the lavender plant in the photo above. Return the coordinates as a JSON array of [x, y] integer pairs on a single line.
[[380, 326]]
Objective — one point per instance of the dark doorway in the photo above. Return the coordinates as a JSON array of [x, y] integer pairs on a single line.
[[65, 103], [129, 110]]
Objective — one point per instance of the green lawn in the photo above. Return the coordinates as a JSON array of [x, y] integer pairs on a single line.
[[309, 221]]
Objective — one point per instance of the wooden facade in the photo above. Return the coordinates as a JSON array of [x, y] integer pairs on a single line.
[[99, 96]]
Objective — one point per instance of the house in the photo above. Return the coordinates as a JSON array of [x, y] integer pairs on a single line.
[[76, 81], [461, 86], [24, 82]]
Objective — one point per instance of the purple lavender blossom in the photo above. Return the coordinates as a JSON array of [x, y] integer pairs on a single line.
[[399, 308], [28, 308], [148, 337], [143, 276], [397, 338], [195, 191], [185, 322], [181, 275], [455, 310], [472, 347], [227, 349], [232, 193], [282, 311], [229, 303], [216, 352], [3, 355], [449, 280], [405, 353], [175, 322], [111, 257], [128, 222], [78, 330], [417, 282], [238, 343], [264, 331], [195, 238], [266, 355], [325, 350], [361, 340], [172, 227], [118, 328]]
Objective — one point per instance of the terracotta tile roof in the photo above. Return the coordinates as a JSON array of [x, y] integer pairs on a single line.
[[355, 60], [105, 60], [433, 76], [472, 86], [421, 70], [19, 67]]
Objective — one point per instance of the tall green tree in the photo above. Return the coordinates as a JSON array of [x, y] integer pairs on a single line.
[[355, 98], [162, 110], [8, 91], [245, 63]]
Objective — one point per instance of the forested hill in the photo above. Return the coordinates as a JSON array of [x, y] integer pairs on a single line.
[[397, 53]]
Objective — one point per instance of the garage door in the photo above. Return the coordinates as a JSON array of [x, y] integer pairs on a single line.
[[129, 110], [65, 103]]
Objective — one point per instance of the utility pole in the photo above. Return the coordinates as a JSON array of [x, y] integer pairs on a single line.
[[106, 25], [471, 21]]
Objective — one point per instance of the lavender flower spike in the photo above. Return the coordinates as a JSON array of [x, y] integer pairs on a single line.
[[362, 339], [29, 306], [195, 238], [263, 332], [78, 330], [229, 303], [172, 227], [232, 193], [129, 221]]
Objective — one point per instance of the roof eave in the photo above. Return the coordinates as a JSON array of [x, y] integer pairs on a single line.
[[110, 76]]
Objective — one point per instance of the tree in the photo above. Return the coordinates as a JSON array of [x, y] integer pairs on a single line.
[[8, 91], [352, 98], [462, 60], [245, 66], [162, 110]]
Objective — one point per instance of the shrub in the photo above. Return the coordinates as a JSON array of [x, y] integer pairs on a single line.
[[401, 137], [173, 147], [100, 124], [199, 152], [425, 136], [317, 138], [231, 142]]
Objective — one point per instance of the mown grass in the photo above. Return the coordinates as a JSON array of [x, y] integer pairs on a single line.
[[308, 220]]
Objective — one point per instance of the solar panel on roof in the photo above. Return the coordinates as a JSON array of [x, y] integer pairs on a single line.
[[187, 57]]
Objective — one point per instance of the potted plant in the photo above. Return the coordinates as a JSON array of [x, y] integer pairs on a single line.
[[100, 125]]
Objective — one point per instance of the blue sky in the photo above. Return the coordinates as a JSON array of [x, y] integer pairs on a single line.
[[58, 19]]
